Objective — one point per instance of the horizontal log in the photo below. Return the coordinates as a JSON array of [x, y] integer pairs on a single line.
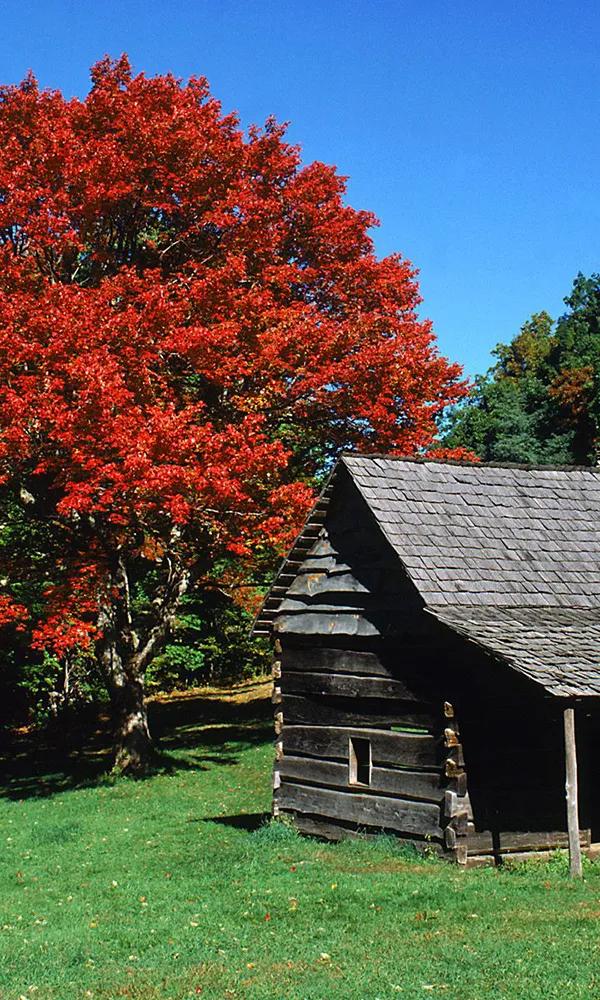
[[318, 826], [420, 819], [483, 842], [318, 582], [344, 661], [327, 606], [405, 749], [451, 738], [450, 838], [301, 710], [350, 686], [458, 784], [406, 656], [459, 823], [316, 624], [455, 804], [328, 829], [405, 784], [455, 762]]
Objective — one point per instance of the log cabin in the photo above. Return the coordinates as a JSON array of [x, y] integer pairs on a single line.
[[436, 629]]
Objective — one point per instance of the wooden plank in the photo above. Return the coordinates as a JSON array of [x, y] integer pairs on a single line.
[[345, 661], [459, 823], [410, 750], [349, 686], [507, 842], [318, 826], [456, 804], [458, 784], [451, 738], [307, 623], [460, 851], [420, 819], [405, 784], [571, 794], [312, 582], [455, 763], [301, 710], [327, 829]]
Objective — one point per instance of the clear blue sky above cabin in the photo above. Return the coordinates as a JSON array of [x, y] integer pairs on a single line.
[[470, 128]]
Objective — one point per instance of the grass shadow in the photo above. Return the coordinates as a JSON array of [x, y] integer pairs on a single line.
[[194, 731], [242, 821]]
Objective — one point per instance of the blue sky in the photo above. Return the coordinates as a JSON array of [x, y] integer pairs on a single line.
[[470, 128]]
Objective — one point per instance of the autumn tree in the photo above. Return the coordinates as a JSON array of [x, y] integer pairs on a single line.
[[192, 323]]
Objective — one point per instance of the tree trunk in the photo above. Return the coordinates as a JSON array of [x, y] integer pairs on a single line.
[[133, 748], [124, 654], [133, 745]]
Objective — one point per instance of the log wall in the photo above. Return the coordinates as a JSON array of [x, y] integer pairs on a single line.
[[320, 712]]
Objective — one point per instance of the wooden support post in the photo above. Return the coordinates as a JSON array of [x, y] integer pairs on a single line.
[[571, 794]]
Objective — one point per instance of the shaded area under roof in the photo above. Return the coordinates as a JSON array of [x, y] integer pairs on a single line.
[[556, 647]]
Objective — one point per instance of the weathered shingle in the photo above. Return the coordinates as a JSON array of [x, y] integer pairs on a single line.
[[502, 535]]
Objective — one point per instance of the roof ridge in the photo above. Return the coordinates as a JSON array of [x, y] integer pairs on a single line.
[[431, 460]]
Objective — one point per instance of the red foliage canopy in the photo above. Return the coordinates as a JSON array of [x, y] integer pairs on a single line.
[[188, 317]]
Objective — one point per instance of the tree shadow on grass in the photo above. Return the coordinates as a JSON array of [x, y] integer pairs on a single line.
[[194, 732]]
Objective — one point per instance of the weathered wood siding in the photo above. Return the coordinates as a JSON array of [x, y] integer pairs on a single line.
[[346, 671], [321, 712]]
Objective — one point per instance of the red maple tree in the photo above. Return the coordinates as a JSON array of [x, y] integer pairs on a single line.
[[190, 322]]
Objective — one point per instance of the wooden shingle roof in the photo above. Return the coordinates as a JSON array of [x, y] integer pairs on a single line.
[[507, 556], [488, 535]]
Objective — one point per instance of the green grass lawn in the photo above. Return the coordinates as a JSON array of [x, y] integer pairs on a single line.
[[172, 888]]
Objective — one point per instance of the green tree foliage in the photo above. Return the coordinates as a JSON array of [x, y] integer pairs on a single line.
[[210, 643], [540, 402]]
